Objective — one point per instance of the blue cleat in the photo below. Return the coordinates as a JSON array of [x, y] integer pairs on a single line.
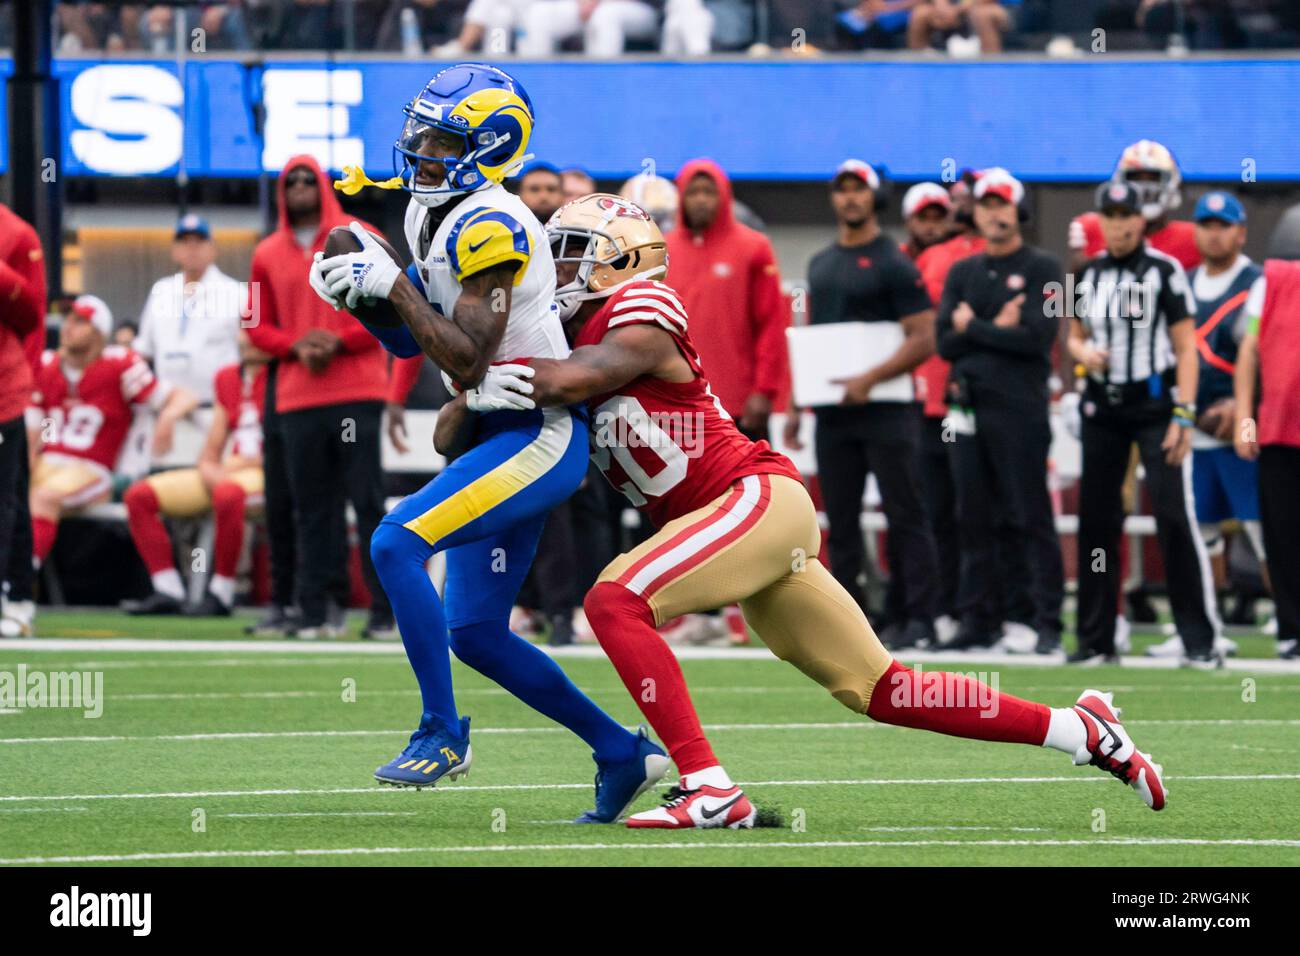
[[619, 784], [432, 754]]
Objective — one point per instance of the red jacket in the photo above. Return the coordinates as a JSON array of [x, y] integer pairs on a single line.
[[728, 280], [934, 263], [284, 307], [22, 312], [1279, 359]]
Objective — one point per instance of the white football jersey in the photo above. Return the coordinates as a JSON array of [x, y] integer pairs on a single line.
[[490, 227]]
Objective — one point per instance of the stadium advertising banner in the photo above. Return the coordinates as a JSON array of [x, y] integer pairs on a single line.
[[1047, 120]]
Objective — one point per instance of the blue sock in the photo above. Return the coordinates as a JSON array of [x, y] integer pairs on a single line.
[[399, 556], [531, 675]]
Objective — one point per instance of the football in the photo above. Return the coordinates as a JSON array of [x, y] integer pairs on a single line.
[[1218, 418], [376, 312]]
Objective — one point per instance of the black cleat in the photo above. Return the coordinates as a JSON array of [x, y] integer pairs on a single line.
[[380, 627], [155, 603], [1091, 658], [1202, 660], [1049, 642], [207, 606], [274, 623], [968, 639]]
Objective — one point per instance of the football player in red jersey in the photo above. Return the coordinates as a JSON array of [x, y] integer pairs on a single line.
[[1153, 171], [735, 526], [226, 482], [85, 396]]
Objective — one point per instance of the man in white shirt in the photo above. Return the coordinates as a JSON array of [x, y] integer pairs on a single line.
[[190, 325]]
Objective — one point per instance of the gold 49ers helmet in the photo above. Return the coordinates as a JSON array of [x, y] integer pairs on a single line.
[[613, 240], [1151, 169]]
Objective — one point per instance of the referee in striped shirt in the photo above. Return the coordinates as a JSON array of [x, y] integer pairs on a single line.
[[1133, 332]]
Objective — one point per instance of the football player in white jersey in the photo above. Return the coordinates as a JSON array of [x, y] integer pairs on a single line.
[[481, 290]]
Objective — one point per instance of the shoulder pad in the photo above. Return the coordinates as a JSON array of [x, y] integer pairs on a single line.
[[483, 238]]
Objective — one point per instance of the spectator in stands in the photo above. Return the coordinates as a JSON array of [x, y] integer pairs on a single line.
[[1267, 410], [576, 182], [489, 25], [604, 25], [82, 405], [727, 277], [226, 483], [541, 187], [863, 277], [222, 24], [987, 19], [329, 395], [22, 338], [1199, 24], [877, 24], [190, 324]]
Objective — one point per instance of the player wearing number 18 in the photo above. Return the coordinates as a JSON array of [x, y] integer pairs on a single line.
[[735, 526]]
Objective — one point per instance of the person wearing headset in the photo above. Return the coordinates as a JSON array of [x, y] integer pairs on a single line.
[[997, 321]]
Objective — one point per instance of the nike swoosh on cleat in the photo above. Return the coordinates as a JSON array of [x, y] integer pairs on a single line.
[[709, 815]]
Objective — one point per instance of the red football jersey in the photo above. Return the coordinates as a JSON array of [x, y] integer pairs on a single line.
[[89, 416], [668, 446], [1177, 239], [241, 396]]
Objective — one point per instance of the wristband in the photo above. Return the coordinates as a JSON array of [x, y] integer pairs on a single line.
[[1185, 415]]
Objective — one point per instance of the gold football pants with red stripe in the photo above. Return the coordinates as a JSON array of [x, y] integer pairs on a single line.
[[757, 545]]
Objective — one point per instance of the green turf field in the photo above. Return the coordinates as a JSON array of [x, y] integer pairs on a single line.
[[239, 756]]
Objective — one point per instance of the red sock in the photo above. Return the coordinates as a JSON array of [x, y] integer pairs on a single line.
[[624, 626], [228, 514], [43, 532], [957, 705], [146, 527]]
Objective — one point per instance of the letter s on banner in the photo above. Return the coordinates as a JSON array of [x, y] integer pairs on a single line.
[[131, 112]]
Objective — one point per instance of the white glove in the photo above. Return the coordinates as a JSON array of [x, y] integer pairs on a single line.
[[316, 276], [367, 274], [504, 387]]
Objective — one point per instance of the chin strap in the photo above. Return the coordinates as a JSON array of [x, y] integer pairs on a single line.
[[355, 179]]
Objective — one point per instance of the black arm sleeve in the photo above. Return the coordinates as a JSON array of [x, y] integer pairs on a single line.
[[950, 343]]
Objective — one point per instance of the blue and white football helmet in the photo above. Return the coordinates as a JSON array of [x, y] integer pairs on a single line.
[[484, 106]]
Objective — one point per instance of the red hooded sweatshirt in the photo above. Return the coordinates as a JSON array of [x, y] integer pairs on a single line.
[[286, 307], [22, 311], [1279, 359], [728, 280]]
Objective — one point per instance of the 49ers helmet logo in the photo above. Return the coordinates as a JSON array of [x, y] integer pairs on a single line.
[[621, 207]]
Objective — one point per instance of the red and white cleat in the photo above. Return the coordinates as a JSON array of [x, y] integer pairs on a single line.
[[699, 809], [1111, 748]]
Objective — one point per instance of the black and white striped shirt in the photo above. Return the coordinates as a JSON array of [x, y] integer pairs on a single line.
[[1126, 307]]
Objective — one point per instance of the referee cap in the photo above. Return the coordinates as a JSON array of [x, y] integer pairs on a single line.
[[1222, 206], [858, 169], [1118, 195], [924, 195], [998, 182]]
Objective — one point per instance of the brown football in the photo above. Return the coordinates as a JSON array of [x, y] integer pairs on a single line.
[[1217, 420], [376, 312]]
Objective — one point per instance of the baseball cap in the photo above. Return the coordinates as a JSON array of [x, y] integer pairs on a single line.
[[856, 167], [192, 225], [923, 195], [95, 311], [998, 182], [1118, 194], [1220, 205]]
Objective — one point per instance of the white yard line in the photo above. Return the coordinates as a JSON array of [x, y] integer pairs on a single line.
[[634, 847], [326, 813], [499, 788], [829, 725], [578, 651]]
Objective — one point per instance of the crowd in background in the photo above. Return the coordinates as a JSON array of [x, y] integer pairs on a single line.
[[453, 28]]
